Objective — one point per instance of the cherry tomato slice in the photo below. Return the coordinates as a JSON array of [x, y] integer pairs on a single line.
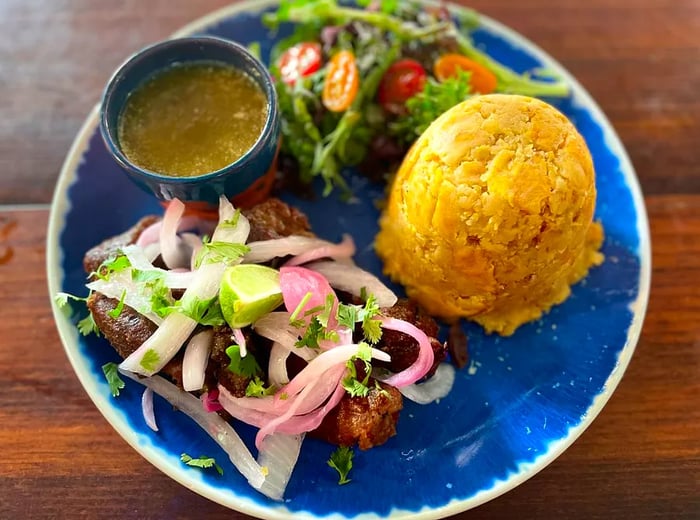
[[342, 82], [403, 80], [482, 79], [299, 61]]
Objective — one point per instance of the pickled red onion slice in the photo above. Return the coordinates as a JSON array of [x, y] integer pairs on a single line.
[[425, 358]]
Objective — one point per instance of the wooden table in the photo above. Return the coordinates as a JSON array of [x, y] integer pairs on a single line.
[[641, 457]]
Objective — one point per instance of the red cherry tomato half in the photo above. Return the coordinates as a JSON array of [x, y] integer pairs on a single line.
[[403, 80], [342, 82], [299, 61]]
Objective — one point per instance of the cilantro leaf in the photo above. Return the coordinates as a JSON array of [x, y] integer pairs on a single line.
[[347, 315], [311, 335], [204, 311], [62, 298], [113, 264], [111, 372], [150, 360], [202, 462], [256, 388], [116, 312], [243, 366], [162, 302], [352, 385], [141, 276], [216, 252], [372, 328], [87, 326], [341, 461]]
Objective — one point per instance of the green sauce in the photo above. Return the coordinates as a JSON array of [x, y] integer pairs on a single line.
[[192, 119]]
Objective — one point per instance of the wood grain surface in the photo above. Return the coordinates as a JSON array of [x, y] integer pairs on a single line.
[[641, 457]]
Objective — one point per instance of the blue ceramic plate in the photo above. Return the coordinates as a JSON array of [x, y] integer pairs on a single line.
[[519, 404]]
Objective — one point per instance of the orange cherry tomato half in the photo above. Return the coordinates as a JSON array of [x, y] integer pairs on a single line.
[[342, 82], [482, 79], [298, 61], [403, 80]]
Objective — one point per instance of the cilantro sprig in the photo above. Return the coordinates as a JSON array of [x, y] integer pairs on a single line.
[[349, 315], [341, 461], [86, 325], [220, 252], [115, 382], [243, 366], [202, 462], [354, 386], [257, 388]]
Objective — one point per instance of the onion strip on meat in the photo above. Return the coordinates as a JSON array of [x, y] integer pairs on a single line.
[[174, 251], [265, 250], [352, 279], [345, 249], [277, 367], [425, 358], [195, 360], [167, 340]]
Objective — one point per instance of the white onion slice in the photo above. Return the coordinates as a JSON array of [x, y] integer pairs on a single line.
[[345, 249], [277, 367], [224, 232], [218, 429], [174, 251], [166, 341], [279, 454], [352, 279], [174, 279], [239, 338], [135, 297], [266, 250], [152, 251], [147, 409], [151, 234], [275, 326], [434, 388], [138, 258], [194, 362]]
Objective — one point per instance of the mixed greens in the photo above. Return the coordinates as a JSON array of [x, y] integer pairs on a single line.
[[360, 84]]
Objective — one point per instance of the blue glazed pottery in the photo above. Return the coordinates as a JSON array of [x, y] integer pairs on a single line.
[[252, 172]]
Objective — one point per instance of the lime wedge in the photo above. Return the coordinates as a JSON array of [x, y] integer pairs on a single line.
[[248, 292]]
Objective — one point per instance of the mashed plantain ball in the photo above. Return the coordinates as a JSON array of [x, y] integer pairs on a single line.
[[490, 216]]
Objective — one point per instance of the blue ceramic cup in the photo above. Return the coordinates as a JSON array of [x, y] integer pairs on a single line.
[[246, 180]]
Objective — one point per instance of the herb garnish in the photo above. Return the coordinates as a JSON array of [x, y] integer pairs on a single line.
[[202, 462], [341, 461], [111, 372]]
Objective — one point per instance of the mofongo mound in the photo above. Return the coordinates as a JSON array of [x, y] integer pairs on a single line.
[[490, 216]]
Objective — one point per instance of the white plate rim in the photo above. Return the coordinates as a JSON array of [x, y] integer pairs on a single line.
[[61, 205]]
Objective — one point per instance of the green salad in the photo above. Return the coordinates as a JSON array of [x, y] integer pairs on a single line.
[[357, 85]]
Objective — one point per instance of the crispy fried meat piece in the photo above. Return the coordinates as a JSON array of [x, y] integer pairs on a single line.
[[365, 421], [110, 247], [128, 331], [274, 219], [402, 348]]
